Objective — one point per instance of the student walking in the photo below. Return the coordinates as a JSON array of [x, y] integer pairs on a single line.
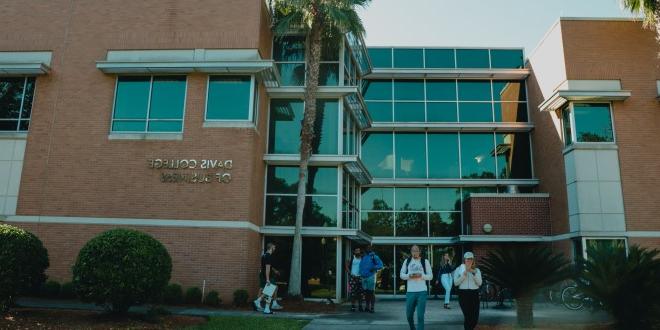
[[467, 278], [354, 280], [369, 266], [267, 276], [416, 271], [445, 276]]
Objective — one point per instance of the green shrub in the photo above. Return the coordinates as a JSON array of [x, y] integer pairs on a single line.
[[212, 299], [240, 297], [23, 262], [51, 289], [193, 296], [120, 268], [67, 291], [173, 294]]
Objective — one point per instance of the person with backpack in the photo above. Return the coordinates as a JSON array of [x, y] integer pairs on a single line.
[[416, 270], [352, 268], [369, 266]]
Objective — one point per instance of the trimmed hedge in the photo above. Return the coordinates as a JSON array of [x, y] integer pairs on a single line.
[[67, 291], [173, 294], [51, 289], [121, 268], [212, 299], [193, 296], [23, 262], [241, 297]]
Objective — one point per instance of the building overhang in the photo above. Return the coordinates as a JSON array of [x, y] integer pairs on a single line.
[[413, 240], [585, 91], [453, 182], [299, 91], [504, 238], [504, 74], [211, 61], [351, 163], [353, 234], [453, 127], [25, 63]]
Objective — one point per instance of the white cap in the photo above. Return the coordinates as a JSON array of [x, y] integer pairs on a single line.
[[468, 255]]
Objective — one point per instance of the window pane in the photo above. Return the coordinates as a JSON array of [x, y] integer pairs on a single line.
[[229, 98], [441, 112], [411, 224], [409, 90], [477, 156], [506, 58], [29, 96], [24, 125], [441, 90], [11, 96], [474, 91], [167, 97], [132, 98], [510, 112], [381, 57], [320, 211], [475, 112], [282, 179], [289, 48], [380, 111], [165, 126], [472, 58], [566, 123], [409, 111], [377, 90], [509, 91], [329, 74], [285, 124], [410, 199], [377, 199], [377, 154], [129, 126], [513, 156], [319, 263], [445, 224], [443, 156], [321, 180], [280, 210], [444, 199], [8, 125], [292, 74], [410, 155], [327, 120], [593, 122], [330, 51], [408, 58], [440, 58], [378, 223]]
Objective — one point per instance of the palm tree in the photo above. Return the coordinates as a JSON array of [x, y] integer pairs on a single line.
[[651, 11], [524, 270], [319, 20], [626, 286]]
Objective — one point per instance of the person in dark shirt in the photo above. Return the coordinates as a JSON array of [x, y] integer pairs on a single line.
[[267, 276], [445, 276]]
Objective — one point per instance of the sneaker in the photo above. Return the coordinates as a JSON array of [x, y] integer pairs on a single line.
[[257, 305], [276, 306], [268, 312]]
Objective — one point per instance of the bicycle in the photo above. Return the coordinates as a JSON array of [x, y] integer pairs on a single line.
[[573, 299]]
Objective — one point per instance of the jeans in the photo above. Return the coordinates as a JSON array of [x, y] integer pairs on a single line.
[[416, 300], [447, 283], [469, 302]]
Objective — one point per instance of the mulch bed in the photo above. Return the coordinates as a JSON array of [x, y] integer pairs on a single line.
[[31, 318]]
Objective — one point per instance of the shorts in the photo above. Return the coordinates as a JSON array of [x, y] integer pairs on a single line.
[[369, 283], [355, 285]]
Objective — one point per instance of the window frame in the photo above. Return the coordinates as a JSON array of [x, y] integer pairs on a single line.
[[251, 105], [571, 113], [20, 118], [146, 128]]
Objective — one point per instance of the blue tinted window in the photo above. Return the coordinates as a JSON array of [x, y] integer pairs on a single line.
[[380, 111], [477, 156], [443, 156], [292, 74], [506, 58], [440, 58], [285, 125], [229, 98], [478, 90], [408, 58], [475, 112], [506, 112], [377, 198], [378, 155], [593, 122], [441, 90], [441, 112], [377, 90], [409, 90], [472, 58], [381, 57], [509, 91], [132, 98], [409, 111], [410, 155], [289, 49], [513, 156]]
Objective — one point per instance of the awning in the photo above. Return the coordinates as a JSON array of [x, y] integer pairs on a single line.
[[25, 63], [585, 91]]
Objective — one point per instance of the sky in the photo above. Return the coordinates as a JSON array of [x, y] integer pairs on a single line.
[[474, 23]]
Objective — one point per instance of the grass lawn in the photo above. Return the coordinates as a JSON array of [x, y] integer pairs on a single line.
[[250, 323]]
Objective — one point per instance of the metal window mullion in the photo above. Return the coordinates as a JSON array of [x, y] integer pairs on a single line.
[[492, 99], [458, 104], [426, 116], [251, 103], [428, 212], [497, 173], [394, 162], [394, 211], [148, 118], [571, 119], [20, 110], [460, 155], [340, 181]]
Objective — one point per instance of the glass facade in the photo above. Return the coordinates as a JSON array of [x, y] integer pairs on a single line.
[[289, 55], [587, 122], [149, 104], [446, 58], [427, 100], [16, 95], [286, 117]]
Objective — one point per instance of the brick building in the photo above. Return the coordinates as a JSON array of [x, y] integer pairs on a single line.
[[182, 122]]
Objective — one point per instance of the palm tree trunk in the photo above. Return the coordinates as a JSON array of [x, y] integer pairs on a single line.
[[525, 311], [313, 57]]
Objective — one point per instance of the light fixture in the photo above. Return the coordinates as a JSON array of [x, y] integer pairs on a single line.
[[488, 228]]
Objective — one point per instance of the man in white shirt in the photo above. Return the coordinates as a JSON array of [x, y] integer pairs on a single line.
[[354, 280], [467, 278], [416, 271]]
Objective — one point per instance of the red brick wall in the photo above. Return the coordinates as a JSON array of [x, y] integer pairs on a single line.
[[228, 259], [509, 215]]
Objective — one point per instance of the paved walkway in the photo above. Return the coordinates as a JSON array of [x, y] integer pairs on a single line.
[[390, 315]]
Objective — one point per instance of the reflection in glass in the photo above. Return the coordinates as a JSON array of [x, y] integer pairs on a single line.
[[409, 90], [441, 90], [377, 154], [409, 111], [439, 58], [506, 58], [593, 122], [329, 74], [326, 128], [280, 210], [380, 111], [408, 58], [320, 211], [510, 112], [292, 74], [285, 124], [289, 48], [228, 98], [445, 199], [377, 198], [378, 223], [410, 155], [443, 224], [385, 277], [377, 90], [319, 267], [477, 90], [477, 156], [411, 224], [443, 156], [11, 97], [509, 91], [566, 123], [410, 199], [381, 57], [472, 58], [441, 112], [475, 112], [132, 98], [513, 156]]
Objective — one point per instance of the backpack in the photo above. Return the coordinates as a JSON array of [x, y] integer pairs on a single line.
[[423, 261]]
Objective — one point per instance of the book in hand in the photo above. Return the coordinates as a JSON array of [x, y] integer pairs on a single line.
[[269, 289]]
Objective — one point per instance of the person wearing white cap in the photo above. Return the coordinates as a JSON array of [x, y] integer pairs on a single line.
[[467, 278]]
